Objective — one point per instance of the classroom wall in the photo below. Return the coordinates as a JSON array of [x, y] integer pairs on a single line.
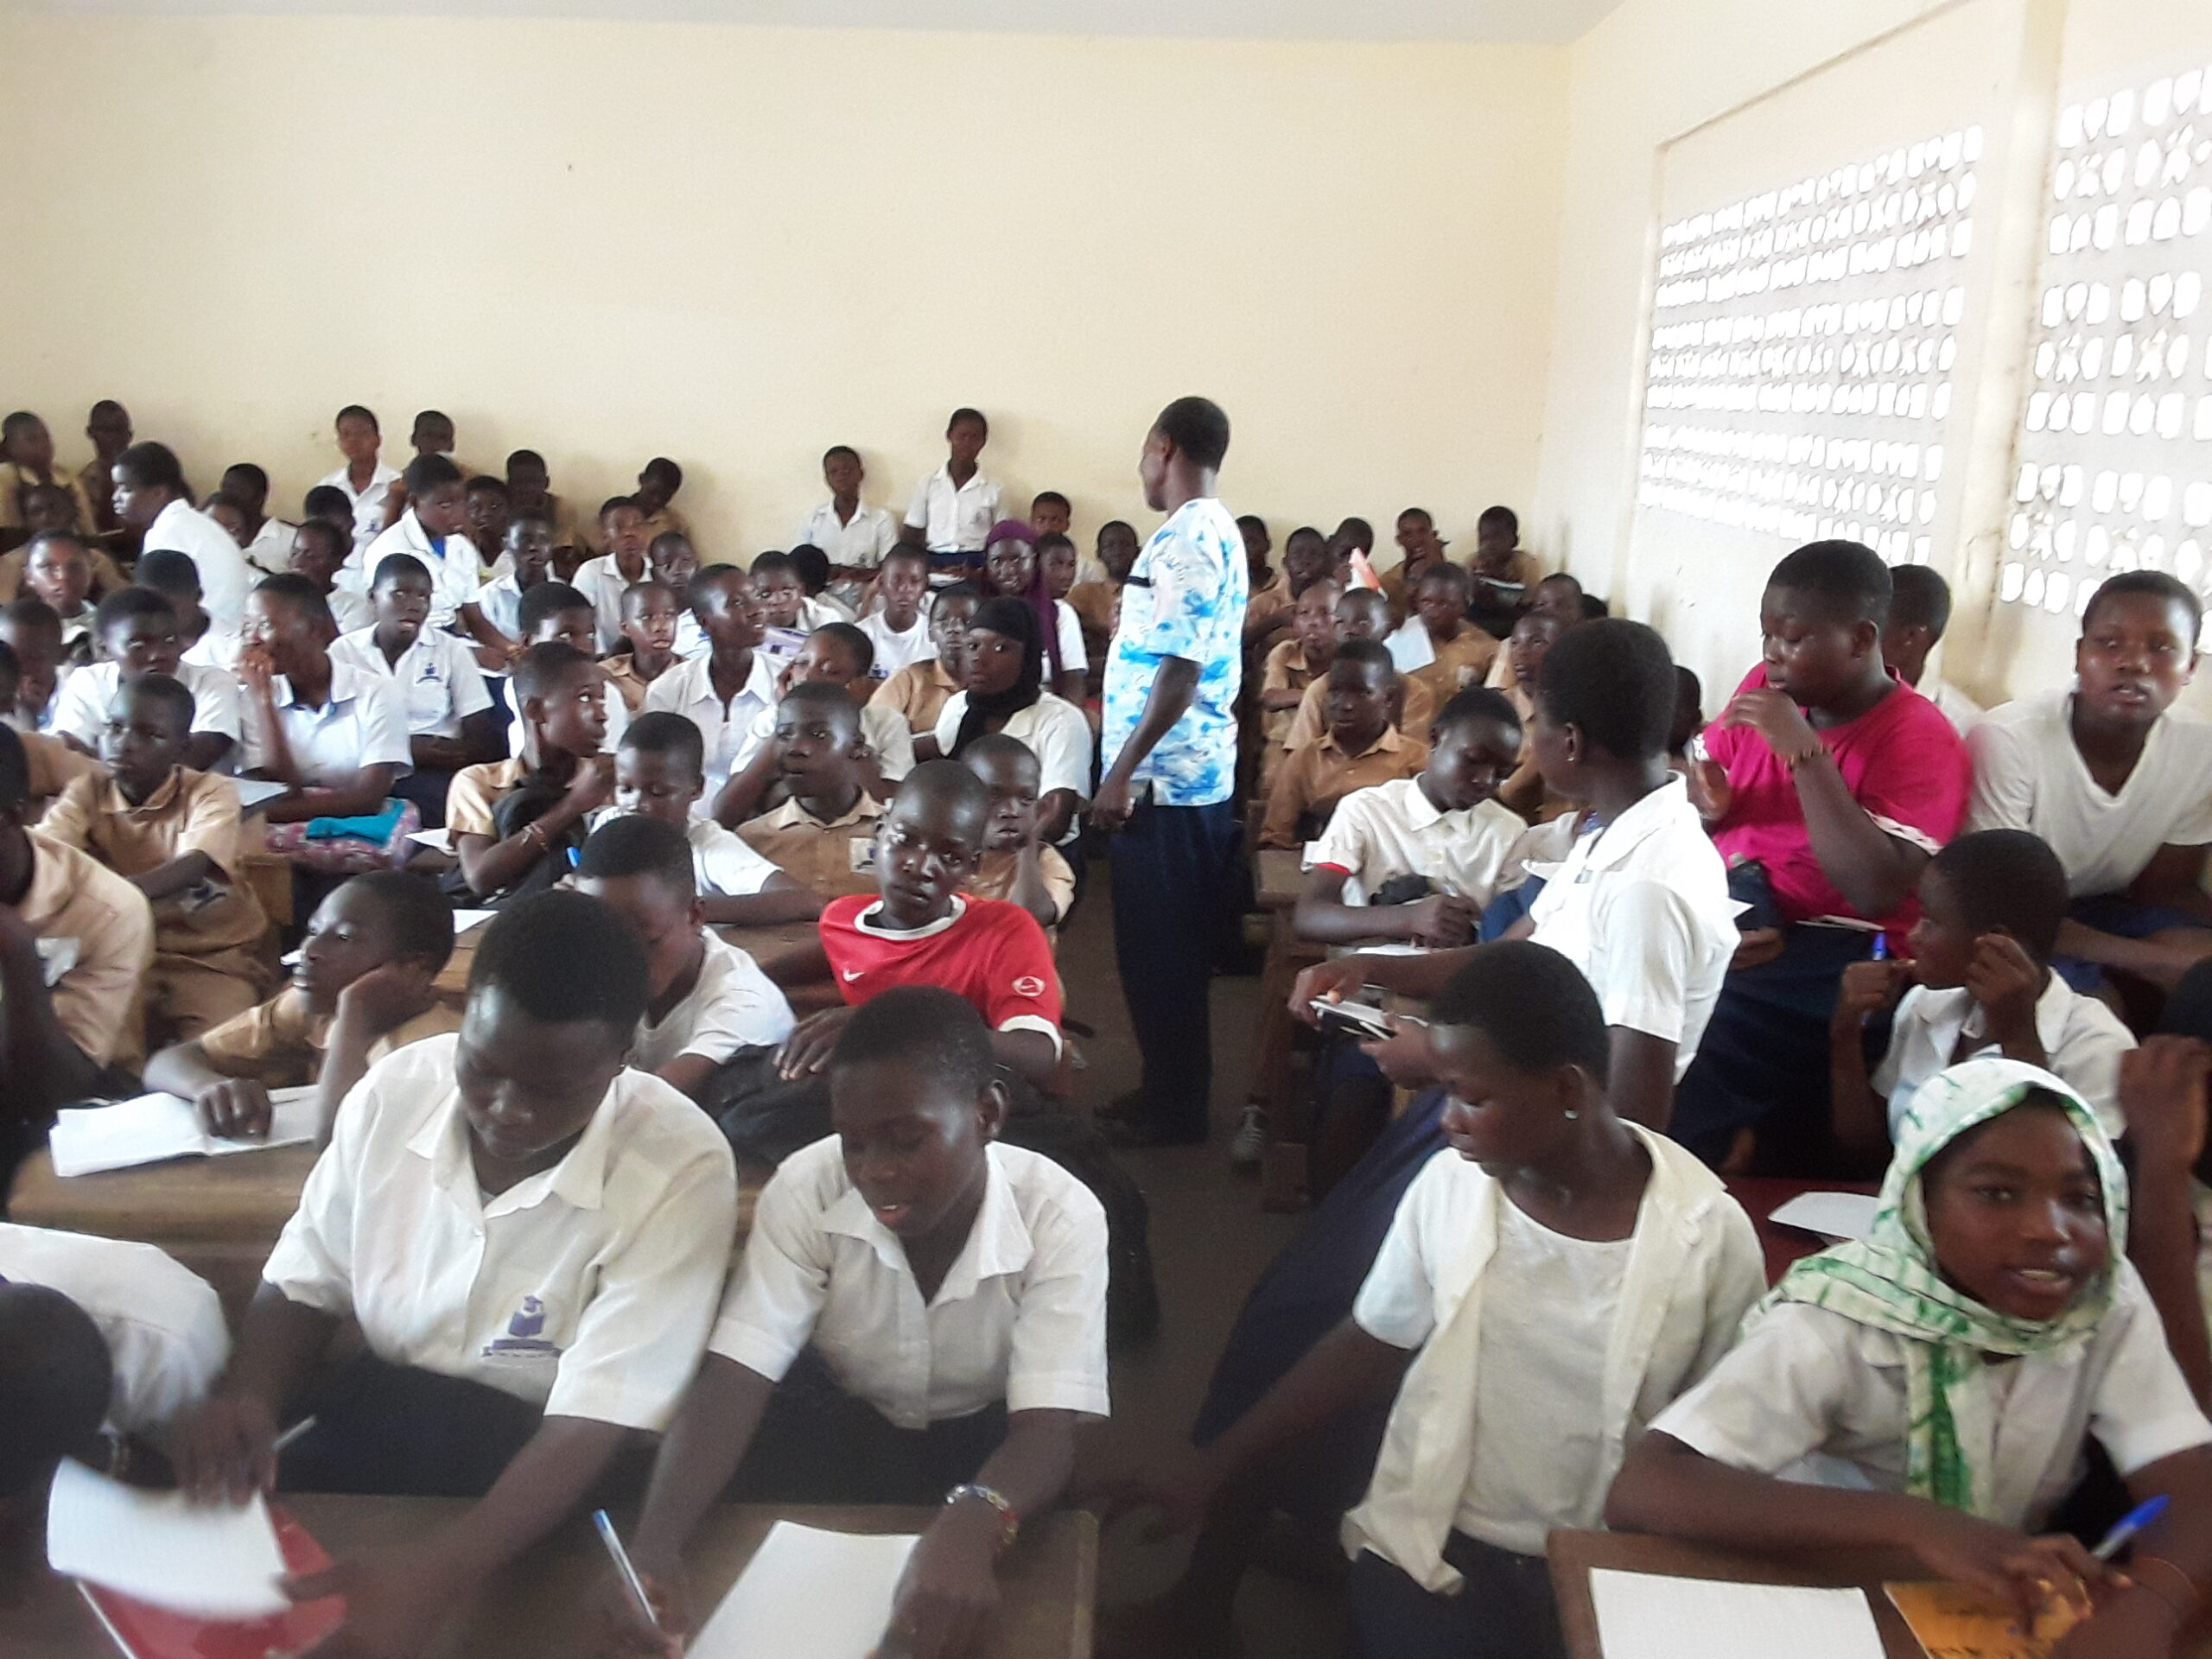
[[1652, 85], [738, 246]]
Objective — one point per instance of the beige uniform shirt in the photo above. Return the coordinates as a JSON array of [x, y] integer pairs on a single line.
[[103, 930], [1318, 775], [280, 1044], [190, 812], [919, 691], [833, 858]]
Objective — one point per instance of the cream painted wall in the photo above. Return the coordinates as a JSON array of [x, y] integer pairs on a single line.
[[738, 246]]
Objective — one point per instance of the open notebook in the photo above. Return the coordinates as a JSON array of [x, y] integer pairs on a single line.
[[153, 1128], [809, 1594]]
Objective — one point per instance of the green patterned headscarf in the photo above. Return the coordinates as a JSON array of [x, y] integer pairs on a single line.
[[1889, 1282]]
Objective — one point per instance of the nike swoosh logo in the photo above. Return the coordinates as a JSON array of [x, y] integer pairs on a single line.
[[852, 974]]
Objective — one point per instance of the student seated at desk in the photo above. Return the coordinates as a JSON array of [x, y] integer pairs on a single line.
[[919, 1316], [709, 999], [1003, 689], [2116, 784], [1830, 784], [58, 572], [1956, 1362], [138, 635], [173, 575], [1360, 747], [531, 1239], [46, 507], [838, 654], [1011, 571], [431, 530], [94, 1333], [1016, 865], [29, 628], [824, 833], [1361, 614], [674, 562], [897, 627], [1503, 577], [920, 691], [650, 614], [173, 833], [1549, 1282], [319, 550], [435, 679], [604, 579], [1291, 667], [1991, 905], [1437, 644], [515, 821], [364, 986], [919, 929], [1097, 601], [722, 691], [1920, 610], [494, 617], [657, 775]]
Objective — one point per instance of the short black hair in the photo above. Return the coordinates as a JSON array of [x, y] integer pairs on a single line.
[[646, 589], [153, 467], [2151, 584], [430, 472], [926, 1031], [1848, 578], [222, 498], [834, 697], [75, 538], [1421, 513], [564, 958], [1358, 530], [634, 846], [1475, 705], [1532, 1003], [775, 560], [1500, 517], [837, 449], [15, 764], [853, 639], [544, 601], [812, 565], [1566, 576], [303, 595], [341, 543], [1050, 497], [326, 498], [1613, 680], [362, 411], [11, 674], [614, 501], [393, 566], [998, 743], [1052, 542], [967, 793], [1593, 607], [2007, 878], [420, 918], [1368, 653], [432, 418], [962, 590], [1920, 598], [115, 610], [56, 1379], [173, 694], [544, 665], [1445, 572], [973, 416], [167, 571], [663, 731], [1365, 596], [1198, 428], [29, 611], [526, 458], [16, 420], [667, 471], [254, 476], [908, 550], [488, 483], [669, 539]]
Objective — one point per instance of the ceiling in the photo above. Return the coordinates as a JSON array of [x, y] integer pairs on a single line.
[[1350, 20]]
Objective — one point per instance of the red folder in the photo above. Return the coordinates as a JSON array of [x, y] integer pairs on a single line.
[[145, 1632]]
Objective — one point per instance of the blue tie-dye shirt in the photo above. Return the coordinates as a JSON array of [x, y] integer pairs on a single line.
[[1185, 598]]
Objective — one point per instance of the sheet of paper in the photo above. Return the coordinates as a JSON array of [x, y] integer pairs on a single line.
[[1652, 1615], [152, 1128], [464, 920], [1833, 1215], [809, 1594], [257, 792], [438, 841], [213, 1563]]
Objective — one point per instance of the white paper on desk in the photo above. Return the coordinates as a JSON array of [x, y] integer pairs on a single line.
[[809, 1594], [215, 1562], [258, 791], [1833, 1215], [464, 920], [90, 1140], [438, 841], [1652, 1615]]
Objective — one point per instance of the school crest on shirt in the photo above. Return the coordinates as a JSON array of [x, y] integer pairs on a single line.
[[525, 1334], [1029, 985]]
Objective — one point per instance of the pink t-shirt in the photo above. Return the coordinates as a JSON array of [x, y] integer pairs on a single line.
[[1903, 761]]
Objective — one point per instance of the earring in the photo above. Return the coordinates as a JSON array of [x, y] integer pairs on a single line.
[[1571, 1116]]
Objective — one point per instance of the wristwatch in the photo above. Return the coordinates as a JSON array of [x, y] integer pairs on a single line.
[[1009, 1522]]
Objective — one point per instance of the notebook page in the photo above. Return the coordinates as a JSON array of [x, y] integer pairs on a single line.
[[809, 1594], [1832, 1215], [1650, 1616], [85, 1141], [215, 1562], [291, 1123]]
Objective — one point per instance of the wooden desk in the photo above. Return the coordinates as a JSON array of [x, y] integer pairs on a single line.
[[544, 1606], [1277, 878], [759, 942], [1573, 1554], [1761, 1195]]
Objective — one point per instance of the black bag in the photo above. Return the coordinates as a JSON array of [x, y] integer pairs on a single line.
[[527, 802]]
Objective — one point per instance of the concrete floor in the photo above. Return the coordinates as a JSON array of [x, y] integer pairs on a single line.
[[1209, 1240]]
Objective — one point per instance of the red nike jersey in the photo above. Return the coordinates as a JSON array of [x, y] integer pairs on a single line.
[[989, 952]]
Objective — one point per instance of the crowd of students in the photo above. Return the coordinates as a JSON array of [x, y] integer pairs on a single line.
[[1852, 927]]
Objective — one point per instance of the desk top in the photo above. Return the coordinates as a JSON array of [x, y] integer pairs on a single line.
[[542, 1606], [1573, 1554], [251, 1194], [1276, 878]]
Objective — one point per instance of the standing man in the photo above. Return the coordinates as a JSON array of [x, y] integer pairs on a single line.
[[1170, 732]]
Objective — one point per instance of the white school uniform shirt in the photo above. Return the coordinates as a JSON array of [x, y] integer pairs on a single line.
[[499, 602], [162, 1323], [1393, 828], [885, 729], [587, 1289], [1055, 731], [954, 520], [224, 577], [1806, 1382], [1961, 710], [1641, 907], [1020, 1316], [601, 580], [1692, 1268], [455, 573], [2082, 1042], [348, 610], [2028, 775], [819, 610], [80, 704], [860, 542], [1069, 627], [894, 649], [722, 863], [270, 552], [362, 724], [734, 1006], [368, 504], [437, 679], [688, 690]]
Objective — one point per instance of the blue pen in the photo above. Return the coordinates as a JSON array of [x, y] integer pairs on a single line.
[[1881, 947], [575, 858], [2133, 1522]]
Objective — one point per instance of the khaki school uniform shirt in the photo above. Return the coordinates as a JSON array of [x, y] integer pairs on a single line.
[[833, 858], [100, 928], [995, 873], [919, 691], [1419, 714], [14, 479], [190, 812], [622, 674], [108, 576], [1285, 670], [54, 765], [1273, 601], [1318, 775], [475, 791], [281, 1044], [1459, 662]]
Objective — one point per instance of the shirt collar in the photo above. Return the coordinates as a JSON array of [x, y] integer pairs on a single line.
[[861, 922], [793, 816], [1420, 812], [998, 1243], [163, 797], [580, 1178], [345, 686], [1389, 743], [1955, 1015], [1638, 822]]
